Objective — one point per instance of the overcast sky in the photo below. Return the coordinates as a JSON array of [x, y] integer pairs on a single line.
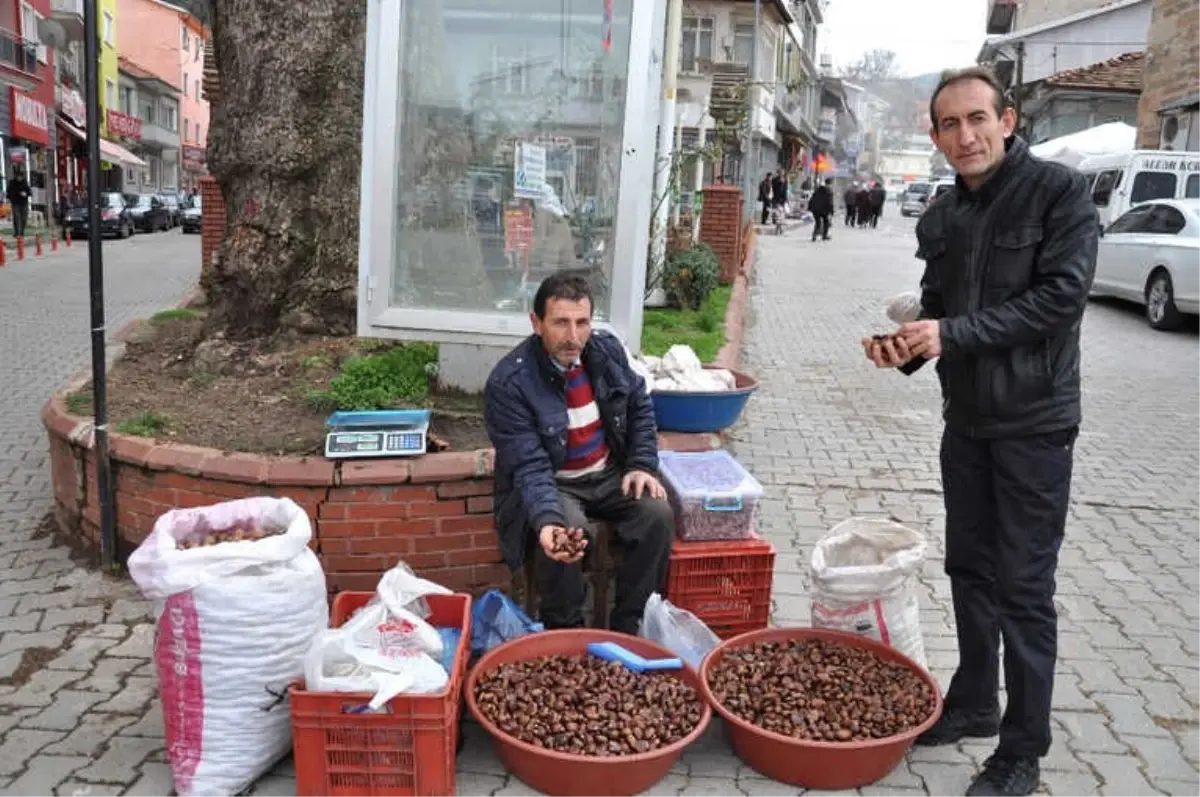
[[908, 27]]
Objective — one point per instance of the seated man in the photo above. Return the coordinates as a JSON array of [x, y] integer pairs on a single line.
[[575, 438]]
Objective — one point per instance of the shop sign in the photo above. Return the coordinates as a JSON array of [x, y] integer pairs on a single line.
[[124, 125], [74, 108], [193, 157], [518, 230], [29, 118], [18, 155]]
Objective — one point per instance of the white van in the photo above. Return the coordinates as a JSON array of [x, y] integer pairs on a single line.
[[1122, 180]]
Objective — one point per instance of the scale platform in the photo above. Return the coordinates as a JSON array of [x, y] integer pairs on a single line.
[[376, 433]]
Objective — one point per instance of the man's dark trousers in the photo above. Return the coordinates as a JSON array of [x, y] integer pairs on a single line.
[[20, 218], [1006, 510], [644, 529], [820, 225], [766, 210]]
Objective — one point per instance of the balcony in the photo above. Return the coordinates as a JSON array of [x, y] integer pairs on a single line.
[[19, 55], [154, 135], [69, 14], [1001, 14]]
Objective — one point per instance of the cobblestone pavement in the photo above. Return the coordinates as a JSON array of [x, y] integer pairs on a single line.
[[830, 438]]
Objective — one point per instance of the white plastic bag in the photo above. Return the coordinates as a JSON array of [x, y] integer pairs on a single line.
[[904, 308], [386, 647], [234, 622], [862, 572], [677, 630]]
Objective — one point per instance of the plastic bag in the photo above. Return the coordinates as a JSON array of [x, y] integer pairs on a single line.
[[234, 622], [496, 619], [386, 647], [677, 630], [904, 308], [862, 572]]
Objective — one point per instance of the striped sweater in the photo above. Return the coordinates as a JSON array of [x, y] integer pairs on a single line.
[[587, 451]]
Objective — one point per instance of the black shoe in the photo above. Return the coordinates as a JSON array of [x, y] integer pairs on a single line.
[[1003, 775], [957, 724]]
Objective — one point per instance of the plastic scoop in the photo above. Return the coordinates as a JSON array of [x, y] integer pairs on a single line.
[[611, 651]]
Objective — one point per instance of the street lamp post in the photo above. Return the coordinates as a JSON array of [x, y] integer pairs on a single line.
[[91, 81]]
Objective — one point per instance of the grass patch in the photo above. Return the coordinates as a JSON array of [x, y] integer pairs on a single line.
[[400, 375], [703, 329], [175, 314], [79, 403], [148, 424]]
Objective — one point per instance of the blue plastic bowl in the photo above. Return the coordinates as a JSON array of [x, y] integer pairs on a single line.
[[702, 412]]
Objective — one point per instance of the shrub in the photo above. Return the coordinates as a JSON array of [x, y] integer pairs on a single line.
[[691, 276], [377, 381]]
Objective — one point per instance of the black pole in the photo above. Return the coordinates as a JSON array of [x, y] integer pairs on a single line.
[[91, 80]]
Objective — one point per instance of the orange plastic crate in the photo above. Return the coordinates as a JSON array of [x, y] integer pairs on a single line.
[[409, 750], [725, 583]]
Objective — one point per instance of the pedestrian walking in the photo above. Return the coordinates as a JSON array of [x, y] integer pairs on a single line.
[[850, 198], [764, 197], [820, 204], [18, 196], [779, 191], [862, 207], [1009, 254], [878, 198]]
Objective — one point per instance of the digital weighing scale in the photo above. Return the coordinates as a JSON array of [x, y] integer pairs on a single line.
[[376, 433]]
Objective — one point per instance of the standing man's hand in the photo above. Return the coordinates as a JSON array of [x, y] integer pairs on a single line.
[[924, 338], [637, 482], [887, 352]]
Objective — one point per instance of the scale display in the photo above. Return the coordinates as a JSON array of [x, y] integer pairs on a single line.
[[376, 433]]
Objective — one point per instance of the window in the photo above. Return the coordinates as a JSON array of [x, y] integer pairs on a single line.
[[187, 129], [199, 136], [108, 29], [1191, 189], [197, 93], [110, 94], [743, 44], [185, 84], [127, 100], [1165, 220], [1152, 185], [766, 57], [147, 112], [198, 49], [1134, 220], [1106, 183], [697, 43], [547, 172], [29, 23], [155, 168], [183, 38], [171, 118]]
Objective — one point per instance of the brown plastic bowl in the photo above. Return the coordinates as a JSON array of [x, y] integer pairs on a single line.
[[555, 773], [816, 765]]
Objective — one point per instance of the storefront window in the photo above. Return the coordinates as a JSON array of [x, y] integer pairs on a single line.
[[509, 120]]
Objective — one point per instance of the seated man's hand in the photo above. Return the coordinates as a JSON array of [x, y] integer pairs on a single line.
[[562, 544], [638, 482]]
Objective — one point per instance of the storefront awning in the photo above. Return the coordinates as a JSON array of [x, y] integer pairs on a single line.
[[110, 152]]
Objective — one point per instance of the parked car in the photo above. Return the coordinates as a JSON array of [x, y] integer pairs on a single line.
[[115, 218], [148, 212], [1151, 255], [174, 207], [912, 203], [190, 218], [1124, 179]]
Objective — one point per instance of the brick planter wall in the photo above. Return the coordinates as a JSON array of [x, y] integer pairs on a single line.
[[212, 221], [721, 227]]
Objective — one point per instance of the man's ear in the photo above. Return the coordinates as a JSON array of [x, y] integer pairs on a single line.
[[1008, 121], [933, 136]]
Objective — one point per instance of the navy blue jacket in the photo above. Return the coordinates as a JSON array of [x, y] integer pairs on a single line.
[[525, 410]]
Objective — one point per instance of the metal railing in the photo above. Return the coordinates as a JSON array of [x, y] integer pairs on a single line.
[[17, 52]]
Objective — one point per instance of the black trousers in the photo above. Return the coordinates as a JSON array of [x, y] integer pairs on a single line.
[[20, 218], [820, 225], [644, 529], [766, 210], [1006, 511]]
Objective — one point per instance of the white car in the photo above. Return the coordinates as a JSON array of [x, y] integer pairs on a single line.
[[1151, 255]]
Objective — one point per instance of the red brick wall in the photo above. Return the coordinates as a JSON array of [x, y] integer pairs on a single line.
[[1172, 67], [212, 228], [721, 227]]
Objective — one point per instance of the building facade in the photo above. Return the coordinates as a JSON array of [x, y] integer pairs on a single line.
[[1079, 99], [1167, 113], [26, 92], [149, 122]]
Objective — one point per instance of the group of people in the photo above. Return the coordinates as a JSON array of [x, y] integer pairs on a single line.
[[864, 203], [575, 438], [773, 194]]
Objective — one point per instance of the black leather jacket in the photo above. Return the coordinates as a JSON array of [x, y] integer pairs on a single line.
[[1007, 271]]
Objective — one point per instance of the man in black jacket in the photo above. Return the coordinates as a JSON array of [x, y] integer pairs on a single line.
[[1009, 254], [575, 439], [18, 196], [820, 204]]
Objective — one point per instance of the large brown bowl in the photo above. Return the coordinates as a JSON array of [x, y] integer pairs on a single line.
[[828, 766], [555, 773]]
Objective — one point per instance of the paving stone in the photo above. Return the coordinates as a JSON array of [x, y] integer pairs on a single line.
[[151, 723], [133, 697], [1119, 776], [121, 761], [108, 674], [1091, 733], [125, 611], [155, 780], [40, 688], [1183, 788], [711, 786], [15, 641], [20, 622], [139, 644], [1128, 715], [108, 631], [1070, 784], [274, 786], [1163, 758], [64, 713], [20, 745], [44, 772], [82, 653], [761, 787], [77, 788], [669, 786], [515, 787], [55, 618], [1166, 700], [943, 778], [93, 733]]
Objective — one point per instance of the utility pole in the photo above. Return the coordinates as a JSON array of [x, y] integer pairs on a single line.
[[1018, 90], [666, 131], [91, 82]]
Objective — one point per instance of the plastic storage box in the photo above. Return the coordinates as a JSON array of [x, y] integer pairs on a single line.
[[713, 496]]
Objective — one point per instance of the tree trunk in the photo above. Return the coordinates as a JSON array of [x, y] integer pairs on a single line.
[[285, 145]]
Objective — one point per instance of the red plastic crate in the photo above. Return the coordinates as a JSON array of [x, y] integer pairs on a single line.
[[726, 583], [410, 750]]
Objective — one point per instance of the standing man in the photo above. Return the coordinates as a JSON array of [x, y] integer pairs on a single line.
[[764, 197], [779, 191], [1009, 258], [820, 204], [850, 197], [574, 433], [18, 197], [878, 198]]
